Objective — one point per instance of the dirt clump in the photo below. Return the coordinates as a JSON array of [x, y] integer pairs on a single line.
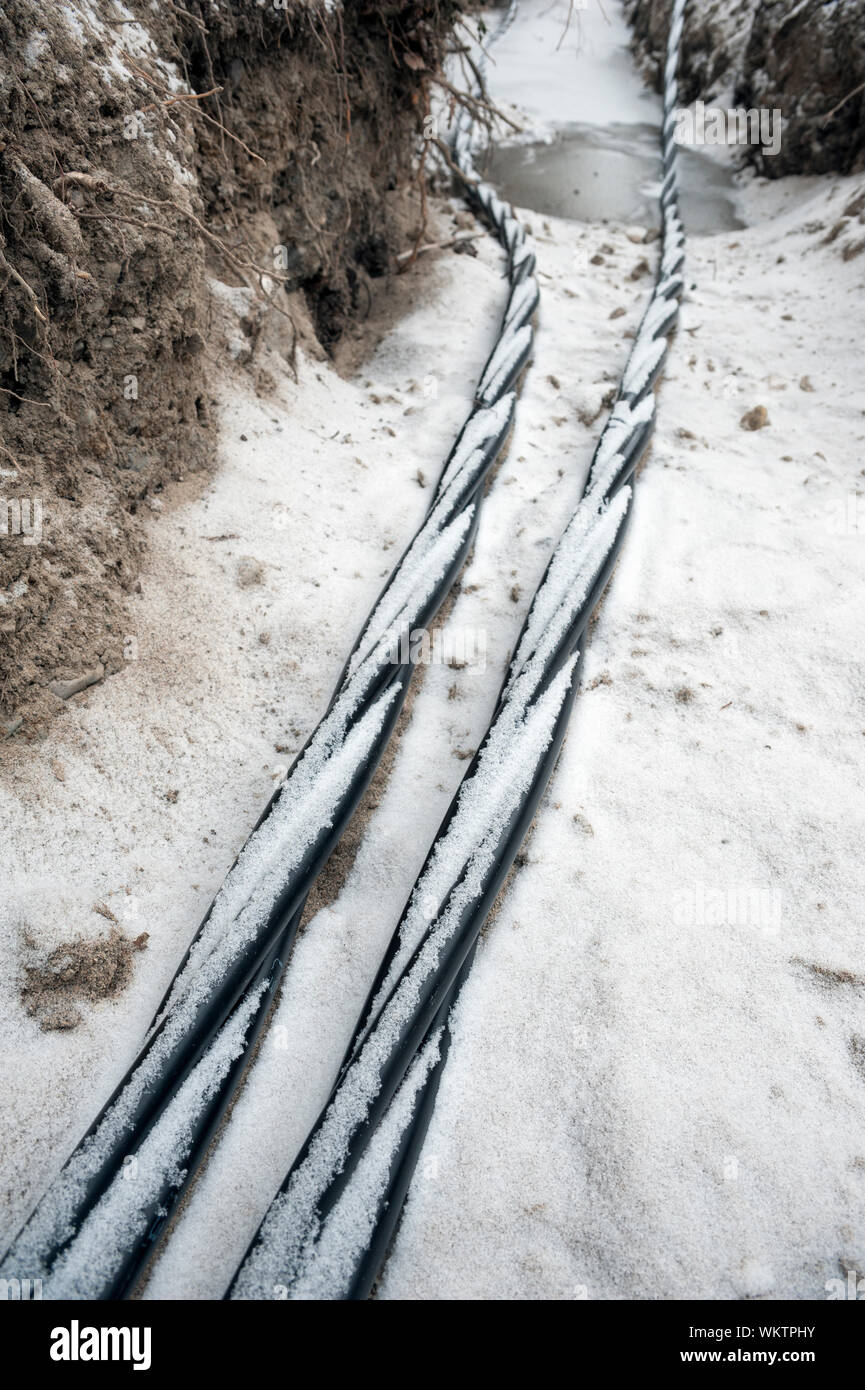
[[757, 418], [84, 971]]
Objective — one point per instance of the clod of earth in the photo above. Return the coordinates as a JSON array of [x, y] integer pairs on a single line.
[[85, 971], [249, 572], [755, 419]]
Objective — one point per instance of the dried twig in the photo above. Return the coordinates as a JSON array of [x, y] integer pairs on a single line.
[[423, 208], [454, 168], [473, 102], [192, 97], [842, 102], [182, 96], [476, 38], [91, 182], [466, 57], [564, 32], [28, 290], [438, 245], [28, 400], [196, 19]]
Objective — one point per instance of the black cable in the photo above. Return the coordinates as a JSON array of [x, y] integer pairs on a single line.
[[406, 1007], [179, 1042]]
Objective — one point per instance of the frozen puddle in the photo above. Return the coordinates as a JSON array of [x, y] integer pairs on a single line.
[[589, 142], [610, 174]]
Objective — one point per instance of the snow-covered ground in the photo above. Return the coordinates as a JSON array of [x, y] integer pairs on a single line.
[[656, 1086]]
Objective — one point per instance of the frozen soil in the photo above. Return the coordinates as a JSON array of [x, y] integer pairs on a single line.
[[142, 150], [94, 969], [804, 58]]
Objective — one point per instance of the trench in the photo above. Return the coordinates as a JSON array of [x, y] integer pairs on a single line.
[[588, 147]]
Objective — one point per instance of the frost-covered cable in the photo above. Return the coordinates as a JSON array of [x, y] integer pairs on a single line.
[[327, 1230], [96, 1225], [513, 348]]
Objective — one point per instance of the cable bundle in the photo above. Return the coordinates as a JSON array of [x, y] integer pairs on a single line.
[[96, 1226], [328, 1229]]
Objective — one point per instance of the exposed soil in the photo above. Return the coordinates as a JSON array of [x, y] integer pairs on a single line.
[[86, 970], [146, 153], [805, 58]]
